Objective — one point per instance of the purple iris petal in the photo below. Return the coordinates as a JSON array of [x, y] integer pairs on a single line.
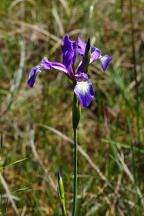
[[67, 58], [85, 93], [69, 51], [45, 64], [81, 77], [74, 44], [105, 61], [96, 53], [32, 76], [69, 54], [81, 46], [80, 68]]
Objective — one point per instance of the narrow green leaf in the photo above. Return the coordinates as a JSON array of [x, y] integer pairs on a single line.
[[22, 189], [61, 194], [16, 162], [87, 56]]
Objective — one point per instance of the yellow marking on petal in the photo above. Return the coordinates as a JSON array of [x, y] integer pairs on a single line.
[[103, 58], [83, 87]]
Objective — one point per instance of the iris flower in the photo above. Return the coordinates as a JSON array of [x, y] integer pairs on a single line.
[[70, 49]]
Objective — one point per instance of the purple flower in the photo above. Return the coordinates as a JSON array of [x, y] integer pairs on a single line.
[[85, 92], [32, 76], [95, 54], [104, 61], [83, 88]]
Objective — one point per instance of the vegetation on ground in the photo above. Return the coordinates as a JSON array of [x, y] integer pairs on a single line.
[[35, 124]]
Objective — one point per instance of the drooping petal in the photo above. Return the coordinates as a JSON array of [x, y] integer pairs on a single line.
[[95, 54], [32, 76], [81, 46], [105, 61], [85, 93], [45, 64]]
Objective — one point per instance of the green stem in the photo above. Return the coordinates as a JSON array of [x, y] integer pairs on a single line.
[[75, 172], [64, 210], [137, 107], [75, 121]]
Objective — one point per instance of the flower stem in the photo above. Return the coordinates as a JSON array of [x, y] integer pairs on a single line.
[[75, 172], [75, 121]]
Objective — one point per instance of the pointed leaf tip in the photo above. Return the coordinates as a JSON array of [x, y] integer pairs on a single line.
[[59, 176], [88, 45], [87, 56]]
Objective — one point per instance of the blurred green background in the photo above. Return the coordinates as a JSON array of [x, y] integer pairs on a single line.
[[35, 124]]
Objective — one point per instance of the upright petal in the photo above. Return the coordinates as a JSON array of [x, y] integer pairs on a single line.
[[85, 51], [85, 93], [45, 64], [69, 54], [74, 44], [95, 54], [32, 76], [81, 46], [104, 60], [80, 68], [81, 77], [69, 51]]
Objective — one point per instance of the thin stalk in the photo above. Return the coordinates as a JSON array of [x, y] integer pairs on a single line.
[[135, 70], [137, 108], [75, 172]]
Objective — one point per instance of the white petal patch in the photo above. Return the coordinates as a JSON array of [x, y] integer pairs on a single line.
[[82, 87], [85, 93]]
